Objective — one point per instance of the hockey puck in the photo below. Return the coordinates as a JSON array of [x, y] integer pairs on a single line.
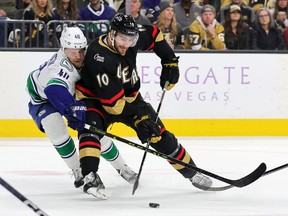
[[154, 205]]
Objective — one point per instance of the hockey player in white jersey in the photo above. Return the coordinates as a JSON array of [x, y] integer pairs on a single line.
[[51, 88]]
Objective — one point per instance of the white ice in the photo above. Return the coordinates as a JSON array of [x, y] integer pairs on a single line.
[[33, 167]]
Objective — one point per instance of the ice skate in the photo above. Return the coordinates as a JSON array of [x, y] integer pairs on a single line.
[[94, 186], [200, 181], [127, 174], [78, 177]]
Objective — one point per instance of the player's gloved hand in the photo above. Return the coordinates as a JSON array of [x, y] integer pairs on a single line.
[[75, 115], [148, 130], [170, 73]]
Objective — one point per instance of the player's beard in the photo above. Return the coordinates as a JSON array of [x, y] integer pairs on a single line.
[[122, 50]]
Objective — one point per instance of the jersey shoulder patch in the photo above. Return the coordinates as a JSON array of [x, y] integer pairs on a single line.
[[66, 64]]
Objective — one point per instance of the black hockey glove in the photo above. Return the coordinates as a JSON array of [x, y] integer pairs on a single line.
[[75, 115], [148, 130], [170, 73]]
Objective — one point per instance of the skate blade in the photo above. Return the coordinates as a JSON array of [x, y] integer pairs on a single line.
[[98, 193]]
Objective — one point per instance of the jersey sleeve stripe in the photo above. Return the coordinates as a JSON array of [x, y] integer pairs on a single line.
[[154, 33], [57, 82], [32, 89]]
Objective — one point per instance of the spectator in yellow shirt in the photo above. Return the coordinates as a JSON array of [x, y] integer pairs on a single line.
[[205, 32]]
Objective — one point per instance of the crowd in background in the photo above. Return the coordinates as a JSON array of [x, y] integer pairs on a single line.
[[186, 24]]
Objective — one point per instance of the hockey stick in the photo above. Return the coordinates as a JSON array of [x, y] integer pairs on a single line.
[[242, 182], [26, 201], [268, 172], [136, 183]]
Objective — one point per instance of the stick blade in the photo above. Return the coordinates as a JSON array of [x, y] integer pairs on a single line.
[[253, 176], [135, 186], [250, 178]]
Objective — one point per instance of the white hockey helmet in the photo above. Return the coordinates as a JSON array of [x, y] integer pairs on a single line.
[[72, 37]]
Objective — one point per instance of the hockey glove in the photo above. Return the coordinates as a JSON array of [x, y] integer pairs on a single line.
[[148, 130], [170, 73], [75, 115]]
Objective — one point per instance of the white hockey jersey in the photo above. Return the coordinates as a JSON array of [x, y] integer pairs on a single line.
[[56, 71]]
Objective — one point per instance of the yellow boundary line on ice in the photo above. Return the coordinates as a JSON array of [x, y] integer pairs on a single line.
[[180, 127]]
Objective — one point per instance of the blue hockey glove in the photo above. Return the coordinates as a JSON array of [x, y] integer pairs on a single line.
[[170, 73], [75, 115]]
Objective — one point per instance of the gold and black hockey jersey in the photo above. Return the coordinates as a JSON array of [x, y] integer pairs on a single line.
[[199, 39], [112, 78]]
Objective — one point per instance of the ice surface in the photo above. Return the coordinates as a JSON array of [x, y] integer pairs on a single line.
[[33, 167]]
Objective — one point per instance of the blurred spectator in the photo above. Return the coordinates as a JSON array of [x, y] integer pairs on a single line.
[[270, 4], [256, 4], [98, 11], [14, 38], [2, 36], [65, 10], [237, 33], [186, 12], [2, 13], [136, 12], [82, 3], [215, 3], [247, 12], [280, 6], [286, 37], [211, 2], [117, 4], [9, 7], [282, 17], [205, 32], [266, 33], [166, 22], [281, 21], [39, 10], [153, 5], [225, 3], [22, 4]]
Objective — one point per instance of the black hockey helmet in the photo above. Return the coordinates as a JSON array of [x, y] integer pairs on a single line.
[[125, 24]]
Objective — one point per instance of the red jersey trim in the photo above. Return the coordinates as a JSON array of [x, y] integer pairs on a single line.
[[95, 110], [86, 91], [154, 33], [113, 99]]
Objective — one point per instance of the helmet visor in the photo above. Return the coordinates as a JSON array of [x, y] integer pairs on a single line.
[[125, 40]]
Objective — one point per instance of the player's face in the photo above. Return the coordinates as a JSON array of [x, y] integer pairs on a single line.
[[123, 42], [75, 56], [207, 17]]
